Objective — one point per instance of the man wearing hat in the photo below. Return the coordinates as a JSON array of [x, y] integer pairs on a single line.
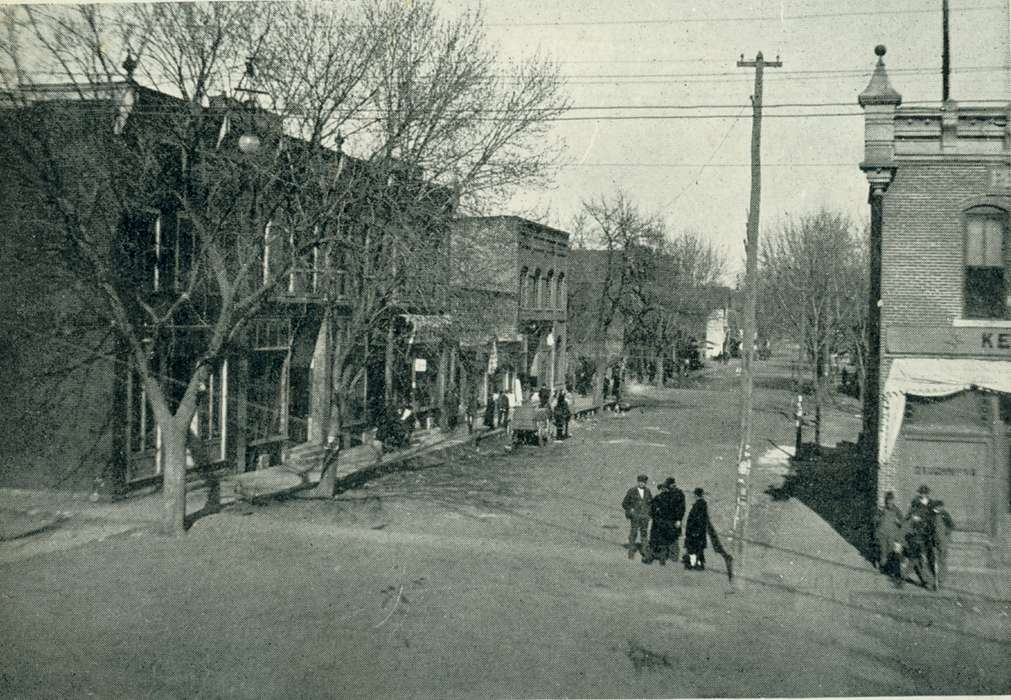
[[637, 505], [668, 511], [696, 529], [921, 536]]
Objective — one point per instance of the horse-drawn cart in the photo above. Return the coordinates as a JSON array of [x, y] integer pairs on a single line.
[[531, 425]]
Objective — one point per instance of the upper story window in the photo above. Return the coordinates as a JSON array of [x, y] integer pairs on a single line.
[[985, 279], [551, 289], [524, 287]]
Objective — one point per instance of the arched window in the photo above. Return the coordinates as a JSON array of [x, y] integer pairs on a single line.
[[538, 291], [562, 300], [985, 281], [551, 289], [524, 287]]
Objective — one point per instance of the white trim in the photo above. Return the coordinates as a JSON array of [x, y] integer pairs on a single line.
[[157, 252], [266, 253], [981, 323], [224, 409]]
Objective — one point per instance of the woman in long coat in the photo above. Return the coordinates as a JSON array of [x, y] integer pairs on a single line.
[[696, 531], [890, 538], [668, 508]]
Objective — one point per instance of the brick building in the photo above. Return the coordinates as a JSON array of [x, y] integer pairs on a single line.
[[515, 272], [938, 408], [74, 406]]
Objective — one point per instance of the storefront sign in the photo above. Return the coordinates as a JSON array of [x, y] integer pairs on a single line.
[[948, 340]]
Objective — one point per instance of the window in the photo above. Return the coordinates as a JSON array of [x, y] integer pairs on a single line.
[[551, 289], [538, 291], [985, 286], [562, 299], [524, 287]]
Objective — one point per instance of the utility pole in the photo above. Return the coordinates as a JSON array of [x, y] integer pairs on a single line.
[[742, 506]]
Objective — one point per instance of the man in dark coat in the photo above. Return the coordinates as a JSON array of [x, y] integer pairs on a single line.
[[889, 539], [921, 537], [637, 505], [696, 528], [544, 397], [503, 409], [668, 511], [489, 411], [562, 415]]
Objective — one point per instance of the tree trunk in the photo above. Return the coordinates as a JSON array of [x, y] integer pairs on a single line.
[[820, 372], [442, 384], [173, 447], [598, 381], [658, 378]]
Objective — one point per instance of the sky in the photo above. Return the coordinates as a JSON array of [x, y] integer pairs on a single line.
[[675, 53]]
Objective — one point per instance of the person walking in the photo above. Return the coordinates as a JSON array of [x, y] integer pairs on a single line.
[[889, 539], [696, 529], [489, 411], [471, 411], [944, 524], [921, 537], [637, 505], [562, 415], [503, 409], [544, 397], [668, 511]]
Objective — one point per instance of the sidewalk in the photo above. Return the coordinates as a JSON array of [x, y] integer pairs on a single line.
[[428, 448], [70, 519], [793, 548]]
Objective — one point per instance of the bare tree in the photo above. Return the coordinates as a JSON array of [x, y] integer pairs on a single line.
[[338, 136], [670, 292], [614, 229], [814, 290]]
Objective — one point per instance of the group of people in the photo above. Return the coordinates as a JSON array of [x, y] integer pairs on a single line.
[[917, 540], [655, 524], [496, 411]]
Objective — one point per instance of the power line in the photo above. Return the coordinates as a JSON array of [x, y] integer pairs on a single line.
[[631, 164], [712, 156], [756, 18]]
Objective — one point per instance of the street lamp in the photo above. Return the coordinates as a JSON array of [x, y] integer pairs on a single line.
[[249, 143]]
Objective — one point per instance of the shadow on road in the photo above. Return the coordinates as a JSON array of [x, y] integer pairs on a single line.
[[837, 486]]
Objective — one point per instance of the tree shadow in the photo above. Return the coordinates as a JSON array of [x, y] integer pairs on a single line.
[[213, 503], [837, 484]]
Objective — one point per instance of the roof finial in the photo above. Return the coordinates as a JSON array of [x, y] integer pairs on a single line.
[[879, 90]]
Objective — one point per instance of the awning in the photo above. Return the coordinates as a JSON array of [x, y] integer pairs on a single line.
[[932, 377], [427, 328]]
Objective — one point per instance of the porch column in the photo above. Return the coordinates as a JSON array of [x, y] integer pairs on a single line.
[[241, 412]]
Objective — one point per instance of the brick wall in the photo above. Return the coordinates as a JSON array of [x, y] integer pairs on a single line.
[[922, 241]]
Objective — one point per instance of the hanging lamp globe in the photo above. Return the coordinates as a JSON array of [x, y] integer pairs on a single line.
[[249, 143]]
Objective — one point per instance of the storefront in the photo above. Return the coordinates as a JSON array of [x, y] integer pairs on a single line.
[[945, 422]]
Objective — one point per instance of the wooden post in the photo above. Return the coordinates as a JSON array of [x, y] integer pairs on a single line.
[[441, 385], [241, 412], [741, 510]]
